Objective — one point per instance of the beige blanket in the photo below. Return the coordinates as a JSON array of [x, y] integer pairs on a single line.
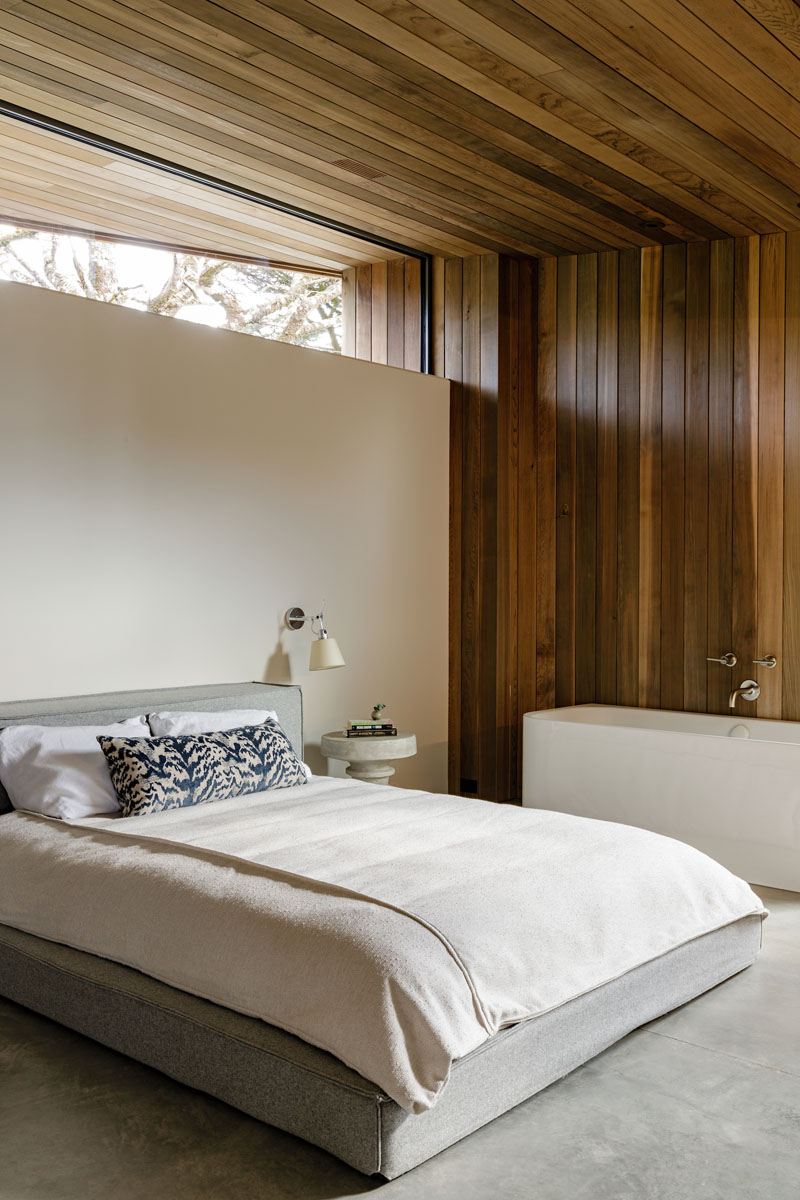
[[396, 929]]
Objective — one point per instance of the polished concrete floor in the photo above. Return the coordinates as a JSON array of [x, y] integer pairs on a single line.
[[703, 1104]]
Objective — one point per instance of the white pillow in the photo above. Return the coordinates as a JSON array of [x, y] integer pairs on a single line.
[[174, 724], [60, 770]]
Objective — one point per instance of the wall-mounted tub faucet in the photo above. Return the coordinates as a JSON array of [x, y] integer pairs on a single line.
[[749, 690]]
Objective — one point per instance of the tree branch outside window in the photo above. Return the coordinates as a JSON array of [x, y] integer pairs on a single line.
[[269, 302]]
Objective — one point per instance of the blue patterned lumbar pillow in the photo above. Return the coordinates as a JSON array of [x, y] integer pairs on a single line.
[[157, 773]]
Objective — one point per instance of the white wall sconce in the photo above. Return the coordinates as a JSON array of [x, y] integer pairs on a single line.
[[325, 652]]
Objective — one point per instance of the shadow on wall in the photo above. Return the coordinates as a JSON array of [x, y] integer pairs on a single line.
[[315, 759], [279, 670]]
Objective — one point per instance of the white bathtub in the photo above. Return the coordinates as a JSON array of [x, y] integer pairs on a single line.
[[728, 785]]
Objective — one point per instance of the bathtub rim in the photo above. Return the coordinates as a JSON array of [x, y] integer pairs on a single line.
[[554, 716]]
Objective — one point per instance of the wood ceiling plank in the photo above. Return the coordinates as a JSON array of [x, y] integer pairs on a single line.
[[326, 149], [380, 152], [165, 225], [706, 47], [471, 90], [41, 148], [764, 116], [522, 81], [287, 168], [601, 90], [780, 17], [440, 68], [107, 126], [116, 123], [740, 209], [492, 162], [485, 32], [493, 124], [526, 85], [602, 187], [552, 78], [743, 30], [64, 206], [517, 51], [602, 221], [27, 206], [531, 88], [457, 126], [171, 246], [743, 177], [456, 246], [734, 143], [171, 69], [570, 184]]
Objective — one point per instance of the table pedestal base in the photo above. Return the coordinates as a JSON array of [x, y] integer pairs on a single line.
[[371, 772]]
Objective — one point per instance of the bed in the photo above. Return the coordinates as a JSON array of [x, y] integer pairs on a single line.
[[502, 1045]]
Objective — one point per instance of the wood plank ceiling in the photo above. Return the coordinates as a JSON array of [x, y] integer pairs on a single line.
[[455, 126], [48, 180]]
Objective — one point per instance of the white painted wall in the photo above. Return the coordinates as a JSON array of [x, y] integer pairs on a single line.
[[167, 491]]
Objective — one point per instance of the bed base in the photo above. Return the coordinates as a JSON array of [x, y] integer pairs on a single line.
[[286, 1082]]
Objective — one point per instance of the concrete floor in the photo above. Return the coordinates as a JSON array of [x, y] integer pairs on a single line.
[[703, 1103]]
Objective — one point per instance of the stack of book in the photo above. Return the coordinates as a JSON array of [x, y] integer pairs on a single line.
[[380, 728]]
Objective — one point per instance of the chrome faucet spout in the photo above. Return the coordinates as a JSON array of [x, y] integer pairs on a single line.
[[749, 690]]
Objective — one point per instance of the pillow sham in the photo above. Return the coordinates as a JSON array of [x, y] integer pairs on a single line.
[[156, 774], [59, 770], [173, 724]]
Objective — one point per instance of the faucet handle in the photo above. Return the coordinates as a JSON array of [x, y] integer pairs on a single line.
[[769, 660], [727, 660]]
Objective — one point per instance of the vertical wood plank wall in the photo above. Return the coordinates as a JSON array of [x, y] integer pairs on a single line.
[[678, 526], [381, 310], [485, 342], [625, 481], [488, 330]]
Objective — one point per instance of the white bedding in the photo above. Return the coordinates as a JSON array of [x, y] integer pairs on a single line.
[[397, 929]]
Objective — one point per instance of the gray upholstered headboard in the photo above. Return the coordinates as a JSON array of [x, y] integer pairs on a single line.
[[103, 709]]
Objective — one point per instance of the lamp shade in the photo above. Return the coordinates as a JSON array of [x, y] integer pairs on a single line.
[[325, 653]]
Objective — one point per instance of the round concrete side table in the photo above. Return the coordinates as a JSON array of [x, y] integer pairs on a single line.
[[370, 758]]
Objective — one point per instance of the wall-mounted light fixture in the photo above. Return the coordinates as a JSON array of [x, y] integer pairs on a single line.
[[325, 652]]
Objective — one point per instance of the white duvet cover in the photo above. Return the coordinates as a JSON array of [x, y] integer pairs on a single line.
[[396, 929]]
